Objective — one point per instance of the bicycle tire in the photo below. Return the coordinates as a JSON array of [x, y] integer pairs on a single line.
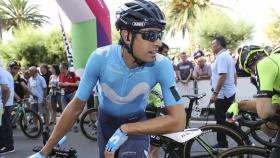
[[29, 115], [241, 151], [236, 138], [86, 124]]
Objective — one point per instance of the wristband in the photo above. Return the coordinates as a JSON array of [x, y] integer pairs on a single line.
[[114, 143]]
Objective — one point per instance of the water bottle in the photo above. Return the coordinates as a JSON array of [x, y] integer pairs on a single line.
[[62, 91], [31, 100], [51, 91], [196, 111]]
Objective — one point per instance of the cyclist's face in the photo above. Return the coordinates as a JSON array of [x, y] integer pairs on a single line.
[[146, 44], [15, 70]]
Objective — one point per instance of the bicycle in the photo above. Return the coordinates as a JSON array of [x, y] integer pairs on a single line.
[[27, 119], [57, 151], [271, 150], [88, 123], [184, 149]]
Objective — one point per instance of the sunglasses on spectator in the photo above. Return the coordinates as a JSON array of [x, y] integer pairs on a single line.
[[151, 36]]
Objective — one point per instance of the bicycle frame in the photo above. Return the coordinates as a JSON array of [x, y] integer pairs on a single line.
[[19, 110]]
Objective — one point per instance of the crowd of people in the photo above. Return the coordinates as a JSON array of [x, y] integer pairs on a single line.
[[46, 90]]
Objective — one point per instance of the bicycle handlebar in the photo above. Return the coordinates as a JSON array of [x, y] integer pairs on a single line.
[[255, 125], [62, 153]]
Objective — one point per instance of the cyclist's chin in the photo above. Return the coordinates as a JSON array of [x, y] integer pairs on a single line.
[[149, 60]]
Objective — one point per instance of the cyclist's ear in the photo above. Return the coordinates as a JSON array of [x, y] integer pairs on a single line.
[[125, 36]]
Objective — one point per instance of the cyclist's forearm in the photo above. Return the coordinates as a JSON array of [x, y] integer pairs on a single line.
[[67, 120], [174, 121], [16, 97]]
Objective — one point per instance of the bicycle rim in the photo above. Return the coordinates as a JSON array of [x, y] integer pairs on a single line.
[[88, 124], [31, 124], [203, 145], [245, 152]]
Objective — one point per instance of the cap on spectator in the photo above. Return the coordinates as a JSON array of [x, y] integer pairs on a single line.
[[198, 54]]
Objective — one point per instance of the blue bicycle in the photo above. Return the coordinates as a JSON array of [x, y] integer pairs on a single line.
[[30, 122]]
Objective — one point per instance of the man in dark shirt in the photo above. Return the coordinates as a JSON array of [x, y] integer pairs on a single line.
[[44, 72], [184, 69], [19, 83]]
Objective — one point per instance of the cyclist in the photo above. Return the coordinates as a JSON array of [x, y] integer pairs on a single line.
[[266, 69], [21, 88], [126, 74]]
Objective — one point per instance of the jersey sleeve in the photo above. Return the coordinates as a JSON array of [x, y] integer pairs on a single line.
[[166, 78], [266, 73], [90, 76]]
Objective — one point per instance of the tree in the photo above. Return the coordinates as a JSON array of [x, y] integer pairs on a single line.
[[13, 13], [182, 14], [31, 46], [212, 23], [272, 30], [115, 35]]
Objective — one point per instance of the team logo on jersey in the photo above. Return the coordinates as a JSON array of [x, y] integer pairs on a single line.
[[137, 90]]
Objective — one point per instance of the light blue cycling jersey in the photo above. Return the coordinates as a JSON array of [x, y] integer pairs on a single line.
[[122, 90]]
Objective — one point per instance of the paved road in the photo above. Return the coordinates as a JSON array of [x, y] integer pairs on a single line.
[[85, 147]]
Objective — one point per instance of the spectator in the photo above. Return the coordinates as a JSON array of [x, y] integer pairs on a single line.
[[184, 69], [26, 76], [164, 49], [68, 82], [6, 131], [202, 71], [54, 92], [38, 87], [44, 72], [223, 86]]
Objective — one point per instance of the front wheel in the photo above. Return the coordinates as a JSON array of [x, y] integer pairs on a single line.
[[88, 123], [205, 144], [31, 124], [245, 152]]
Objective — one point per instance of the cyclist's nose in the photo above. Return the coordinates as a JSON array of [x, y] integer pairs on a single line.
[[158, 42]]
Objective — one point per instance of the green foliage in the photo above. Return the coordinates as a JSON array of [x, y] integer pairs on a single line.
[[13, 13], [272, 30], [181, 14], [115, 35], [31, 46], [213, 22]]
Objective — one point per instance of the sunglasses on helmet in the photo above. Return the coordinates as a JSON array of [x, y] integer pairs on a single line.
[[151, 36]]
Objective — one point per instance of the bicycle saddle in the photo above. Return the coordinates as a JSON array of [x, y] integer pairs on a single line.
[[185, 135], [194, 96]]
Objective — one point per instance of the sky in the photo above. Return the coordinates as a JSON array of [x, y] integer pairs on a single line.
[[256, 12]]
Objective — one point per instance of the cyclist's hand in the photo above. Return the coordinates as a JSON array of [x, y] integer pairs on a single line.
[[114, 143], [37, 155], [232, 112]]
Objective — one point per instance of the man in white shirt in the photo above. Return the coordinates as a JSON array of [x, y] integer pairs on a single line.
[[223, 82], [6, 131]]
